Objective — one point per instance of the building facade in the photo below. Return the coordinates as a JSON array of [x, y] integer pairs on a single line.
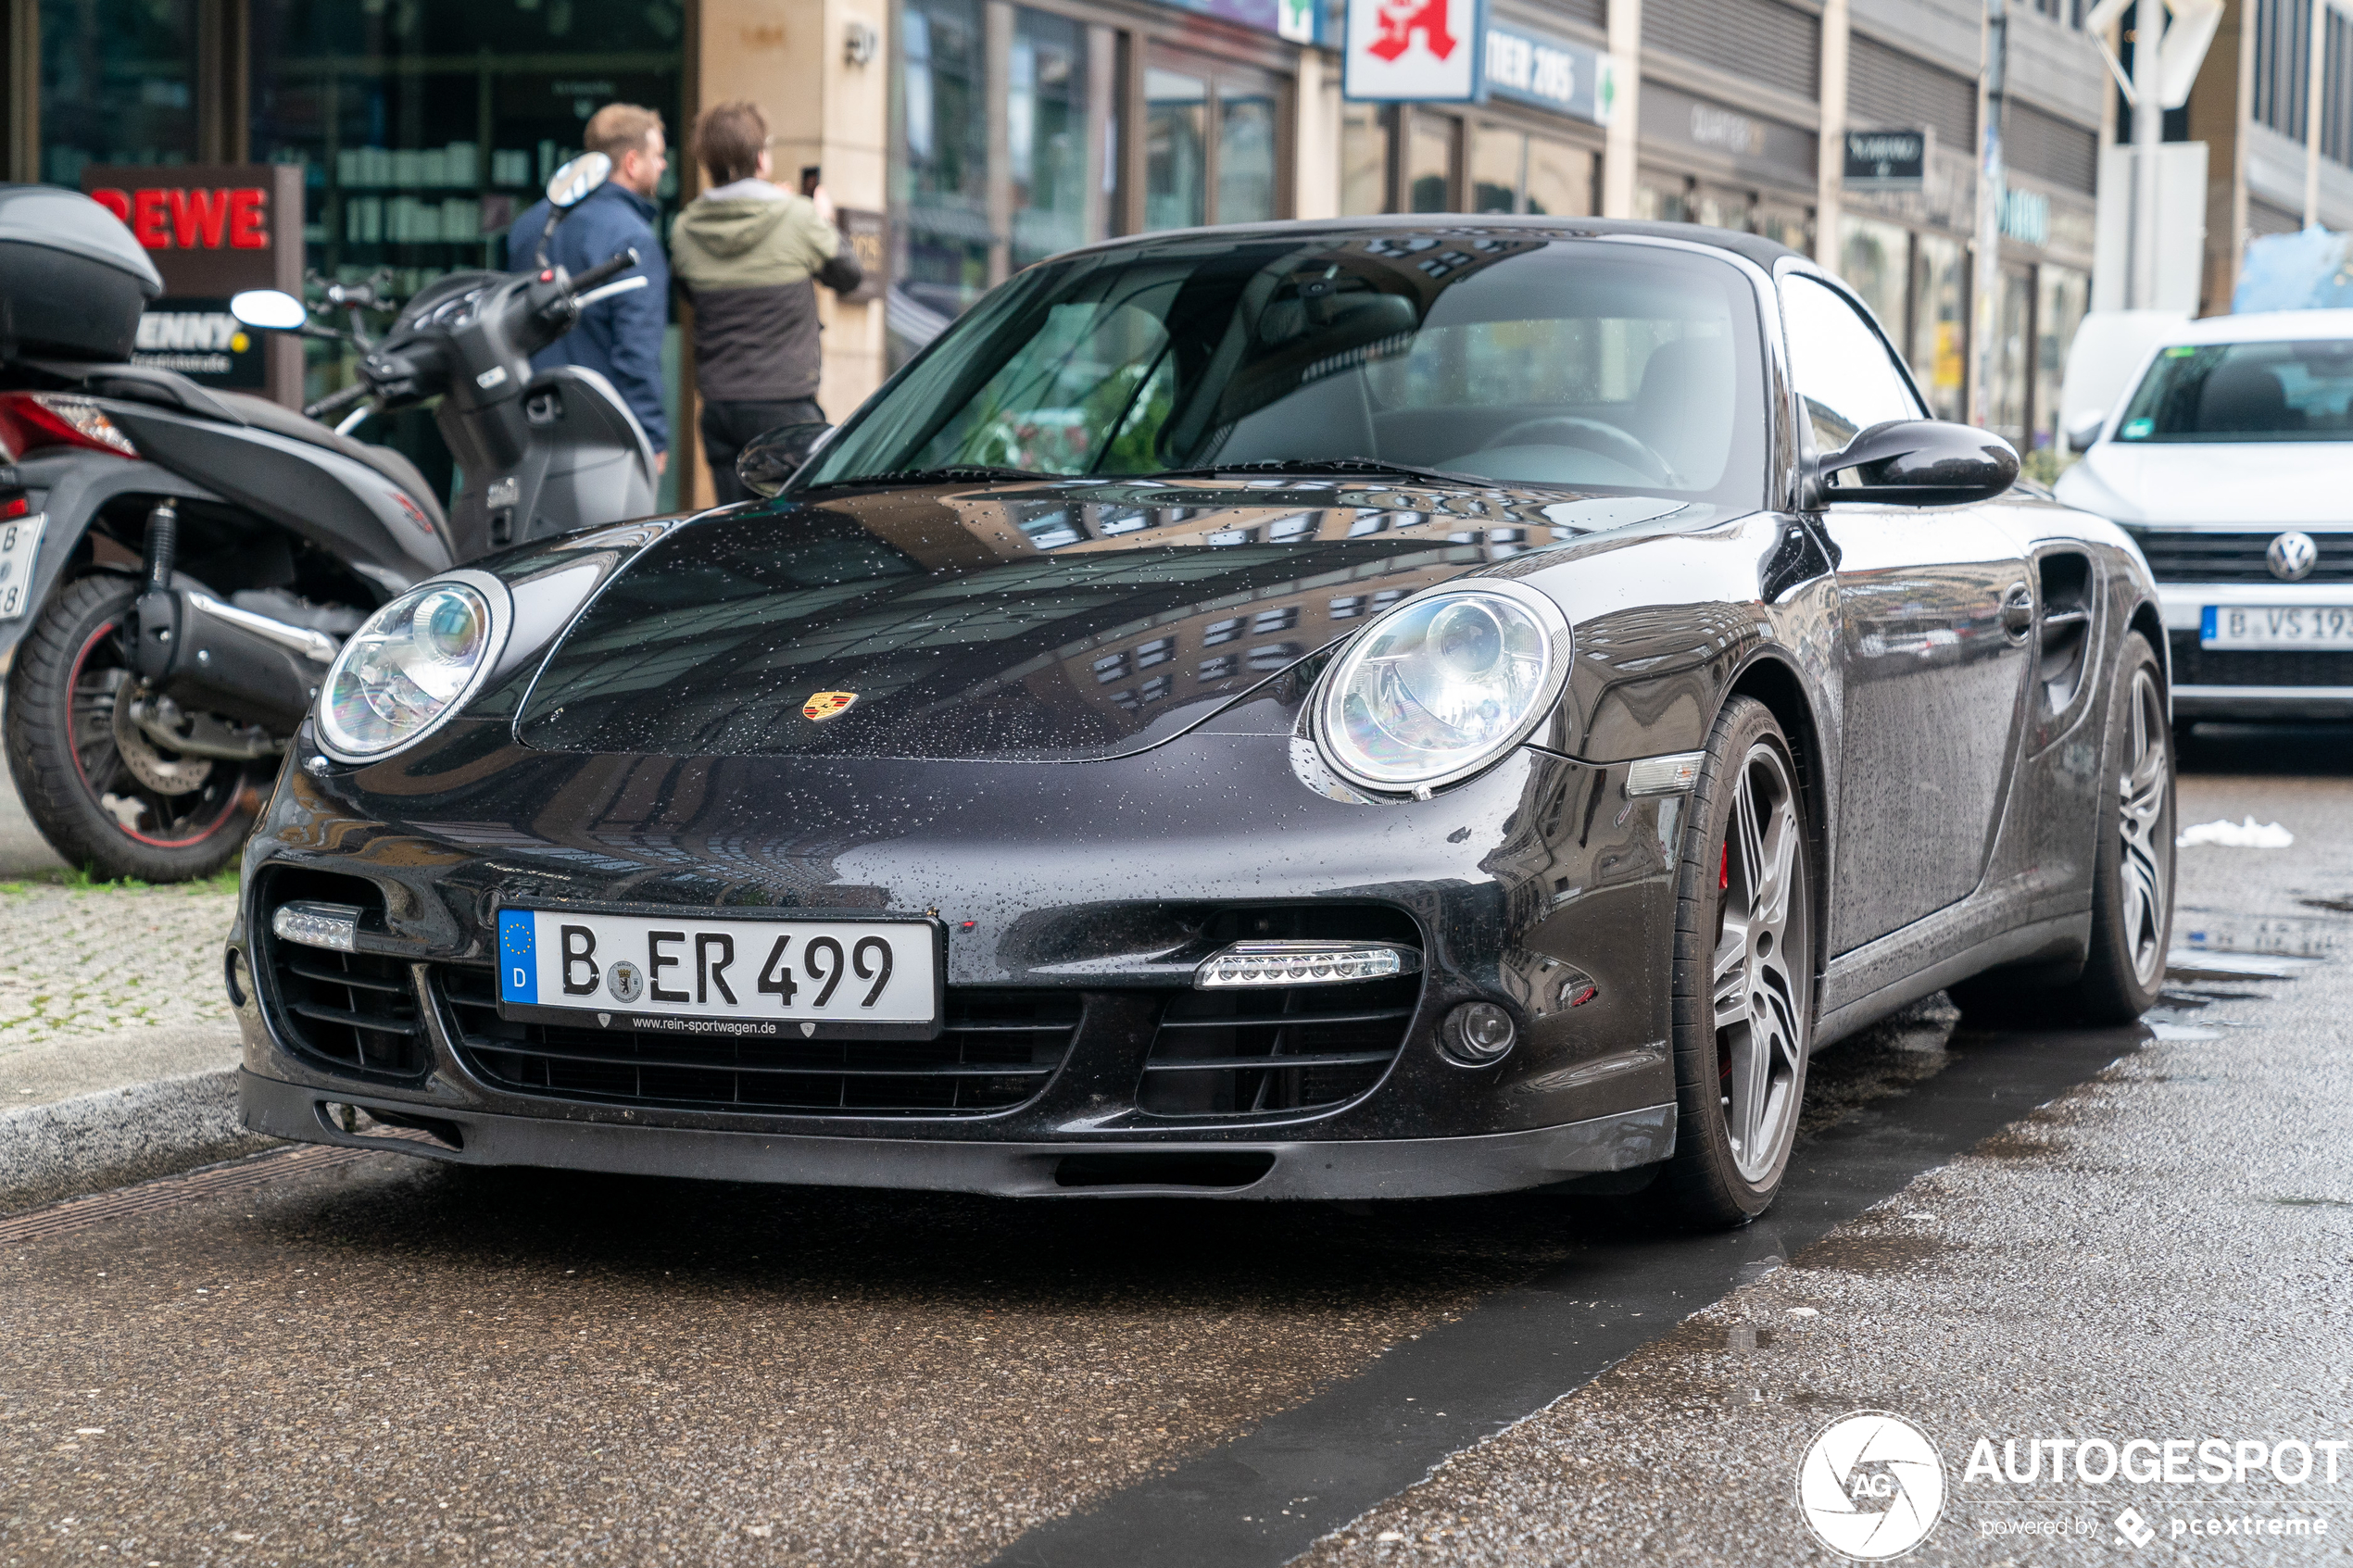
[[969, 138]]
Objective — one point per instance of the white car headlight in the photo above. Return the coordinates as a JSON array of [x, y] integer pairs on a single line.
[[1442, 685], [414, 663]]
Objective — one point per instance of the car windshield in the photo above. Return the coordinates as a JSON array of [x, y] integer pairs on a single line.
[[2245, 392], [1521, 355]]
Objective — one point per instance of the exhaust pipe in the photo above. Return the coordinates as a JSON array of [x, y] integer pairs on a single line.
[[207, 656]]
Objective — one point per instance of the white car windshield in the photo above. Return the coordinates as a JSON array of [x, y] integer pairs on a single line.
[[1518, 355], [2245, 392]]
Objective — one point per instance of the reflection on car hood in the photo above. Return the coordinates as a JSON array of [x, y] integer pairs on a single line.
[[1061, 621], [2246, 485]]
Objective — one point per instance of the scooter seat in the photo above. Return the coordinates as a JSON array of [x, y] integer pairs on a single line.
[[278, 420]]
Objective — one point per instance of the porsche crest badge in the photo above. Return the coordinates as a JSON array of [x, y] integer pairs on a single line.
[[828, 705]]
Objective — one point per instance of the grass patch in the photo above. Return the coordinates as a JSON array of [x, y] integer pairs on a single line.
[[85, 879]]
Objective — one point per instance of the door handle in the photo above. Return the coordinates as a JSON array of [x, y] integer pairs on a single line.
[[2018, 610]]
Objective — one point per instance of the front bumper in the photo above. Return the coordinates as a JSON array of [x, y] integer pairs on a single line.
[[2254, 685], [1268, 1169]]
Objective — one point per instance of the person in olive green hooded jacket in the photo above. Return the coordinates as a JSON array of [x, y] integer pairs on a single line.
[[748, 256]]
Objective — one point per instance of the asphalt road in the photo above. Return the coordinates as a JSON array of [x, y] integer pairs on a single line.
[[330, 1359]]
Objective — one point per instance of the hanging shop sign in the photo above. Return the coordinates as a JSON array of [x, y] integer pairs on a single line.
[[213, 231], [1887, 160], [1414, 51], [1551, 73]]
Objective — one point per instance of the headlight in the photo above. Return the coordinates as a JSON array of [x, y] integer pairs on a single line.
[[411, 666], [1442, 685]]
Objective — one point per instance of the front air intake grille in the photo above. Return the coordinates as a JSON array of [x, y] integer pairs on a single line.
[[2188, 556], [2195, 666], [999, 1048], [352, 1010], [1253, 1050]]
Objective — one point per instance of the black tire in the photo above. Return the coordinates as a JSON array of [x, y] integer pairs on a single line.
[[2132, 871], [1743, 985], [67, 766]]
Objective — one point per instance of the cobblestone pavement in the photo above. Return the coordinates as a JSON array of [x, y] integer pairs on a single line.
[[83, 961]]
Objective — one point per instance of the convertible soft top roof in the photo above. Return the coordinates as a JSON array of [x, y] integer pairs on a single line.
[[1755, 247]]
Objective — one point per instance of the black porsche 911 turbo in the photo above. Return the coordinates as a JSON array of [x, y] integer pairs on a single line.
[[1366, 709]]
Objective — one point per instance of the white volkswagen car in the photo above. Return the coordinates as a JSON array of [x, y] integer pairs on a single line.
[[2231, 461]]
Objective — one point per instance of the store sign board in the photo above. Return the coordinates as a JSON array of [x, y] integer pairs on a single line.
[[1414, 51], [867, 235], [1551, 73], [1887, 160], [1752, 144], [212, 231]]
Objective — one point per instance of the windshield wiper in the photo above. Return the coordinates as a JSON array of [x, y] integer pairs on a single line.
[[948, 471], [1311, 466]]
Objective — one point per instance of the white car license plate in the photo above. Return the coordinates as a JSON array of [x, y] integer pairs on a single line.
[[709, 974], [2277, 626], [20, 553]]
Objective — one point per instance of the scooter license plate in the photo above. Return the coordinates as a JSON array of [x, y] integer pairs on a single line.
[[19, 549]]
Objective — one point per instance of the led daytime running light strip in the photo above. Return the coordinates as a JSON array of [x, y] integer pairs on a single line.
[[331, 926], [1304, 963]]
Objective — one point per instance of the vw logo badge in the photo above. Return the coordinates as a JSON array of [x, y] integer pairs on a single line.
[[2292, 556]]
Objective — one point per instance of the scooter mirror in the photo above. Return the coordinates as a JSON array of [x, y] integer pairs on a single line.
[[570, 184], [270, 309], [774, 456]]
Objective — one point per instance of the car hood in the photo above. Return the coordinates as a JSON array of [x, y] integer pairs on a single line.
[[1053, 622], [2262, 484]]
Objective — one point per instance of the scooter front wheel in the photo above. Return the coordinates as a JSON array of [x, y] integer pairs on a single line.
[[101, 790]]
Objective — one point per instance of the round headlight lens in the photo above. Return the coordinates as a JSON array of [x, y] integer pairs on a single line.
[[1442, 686], [405, 671]]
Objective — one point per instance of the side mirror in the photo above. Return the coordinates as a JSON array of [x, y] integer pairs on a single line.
[[2084, 432], [271, 310], [773, 457], [1921, 463], [569, 185]]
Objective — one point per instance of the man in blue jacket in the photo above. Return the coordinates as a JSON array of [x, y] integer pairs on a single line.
[[620, 338]]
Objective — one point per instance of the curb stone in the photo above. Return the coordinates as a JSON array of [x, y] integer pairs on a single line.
[[118, 1136]]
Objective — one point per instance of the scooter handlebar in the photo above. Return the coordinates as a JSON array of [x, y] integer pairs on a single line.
[[613, 267], [335, 401]]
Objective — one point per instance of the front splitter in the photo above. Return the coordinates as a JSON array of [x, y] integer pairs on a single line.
[[1354, 1169]]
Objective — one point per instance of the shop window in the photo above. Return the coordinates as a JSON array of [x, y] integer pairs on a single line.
[[1176, 158], [1875, 260], [940, 177], [1429, 165], [1938, 342], [423, 128], [1663, 200], [1245, 157], [1498, 167], [1363, 159], [2061, 295], [1045, 135], [1560, 178], [118, 84], [2006, 402], [1721, 209]]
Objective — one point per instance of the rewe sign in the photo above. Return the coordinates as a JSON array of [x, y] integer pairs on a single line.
[[213, 231], [1414, 51]]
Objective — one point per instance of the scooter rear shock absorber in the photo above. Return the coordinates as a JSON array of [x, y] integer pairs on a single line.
[[157, 615], [162, 546]]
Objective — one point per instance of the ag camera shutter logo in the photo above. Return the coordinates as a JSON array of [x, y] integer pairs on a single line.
[[1872, 1485]]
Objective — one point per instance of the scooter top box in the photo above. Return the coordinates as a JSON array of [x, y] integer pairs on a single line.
[[73, 278]]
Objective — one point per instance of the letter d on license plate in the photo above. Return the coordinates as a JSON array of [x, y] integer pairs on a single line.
[[715, 974]]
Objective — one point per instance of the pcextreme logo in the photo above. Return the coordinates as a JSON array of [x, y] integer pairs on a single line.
[[1872, 1485]]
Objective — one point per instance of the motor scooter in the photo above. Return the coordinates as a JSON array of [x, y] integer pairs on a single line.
[[180, 565]]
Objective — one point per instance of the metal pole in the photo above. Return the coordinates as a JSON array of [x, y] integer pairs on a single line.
[[1986, 275], [2148, 133], [2315, 86]]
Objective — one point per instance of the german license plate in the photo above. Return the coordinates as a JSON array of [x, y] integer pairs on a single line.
[[711, 975], [19, 552], [2277, 626]]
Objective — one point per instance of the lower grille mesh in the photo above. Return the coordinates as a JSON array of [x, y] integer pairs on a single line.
[[998, 1049], [2195, 666], [1253, 1051]]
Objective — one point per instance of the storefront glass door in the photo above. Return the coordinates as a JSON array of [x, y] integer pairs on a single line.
[[1192, 176], [1175, 149], [118, 84]]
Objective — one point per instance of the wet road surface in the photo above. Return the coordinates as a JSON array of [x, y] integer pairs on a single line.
[[365, 1359]]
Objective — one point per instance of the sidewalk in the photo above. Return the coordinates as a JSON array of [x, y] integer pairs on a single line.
[[117, 1045]]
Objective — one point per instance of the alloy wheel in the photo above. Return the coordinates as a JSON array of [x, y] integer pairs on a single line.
[[1761, 970], [2140, 810]]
